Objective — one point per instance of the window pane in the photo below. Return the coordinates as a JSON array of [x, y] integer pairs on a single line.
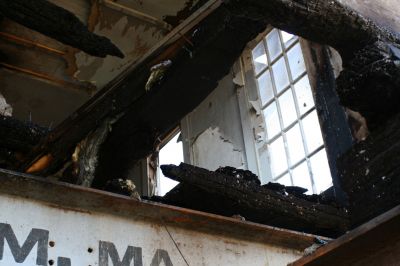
[[288, 38], [274, 44], [296, 61], [312, 132], [295, 144], [277, 157], [272, 120], [259, 58], [280, 75], [264, 167], [285, 180], [301, 177], [265, 87], [304, 95], [288, 108], [321, 172]]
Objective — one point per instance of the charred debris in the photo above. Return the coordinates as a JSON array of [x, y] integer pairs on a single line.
[[125, 121], [238, 193]]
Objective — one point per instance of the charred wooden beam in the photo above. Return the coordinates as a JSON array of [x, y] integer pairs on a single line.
[[256, 203], [370, 173], [370, 83], [59, 24]]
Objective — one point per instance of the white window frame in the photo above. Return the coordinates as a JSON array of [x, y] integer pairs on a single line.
[[251, 112]]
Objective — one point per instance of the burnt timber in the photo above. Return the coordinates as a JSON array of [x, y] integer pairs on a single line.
[[219, 193], [17, 139], [369, 173], [215, 43], [59, 24]]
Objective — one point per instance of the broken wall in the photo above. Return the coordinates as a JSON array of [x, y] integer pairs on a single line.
[[45, 81], [212, 134]]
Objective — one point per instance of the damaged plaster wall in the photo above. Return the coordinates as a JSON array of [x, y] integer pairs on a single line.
[[133, 36], [212, 134], [212, 150]]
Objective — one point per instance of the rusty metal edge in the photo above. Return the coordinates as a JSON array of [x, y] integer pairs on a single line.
[[79, 199]]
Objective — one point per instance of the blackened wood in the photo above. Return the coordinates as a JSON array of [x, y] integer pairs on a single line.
[[370, 173], [370, 82], [324, 22], [59, 24], [16, 135], [256, 203]]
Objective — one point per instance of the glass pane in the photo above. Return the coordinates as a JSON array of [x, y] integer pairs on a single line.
[[277, 157], [288, 38], [280, 75], [312, 132], [264, 168], [288, 108], [272, 120], [304, 95], [301, 177], [285, 180], [274, 44], [321, 172], [296, 61], [259, 58], [295, 144], [265, 87]]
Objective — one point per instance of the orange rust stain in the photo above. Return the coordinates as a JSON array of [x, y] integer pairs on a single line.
[[67, 209], [181, 220]]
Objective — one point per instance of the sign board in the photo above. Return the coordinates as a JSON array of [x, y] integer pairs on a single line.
[[52, 223]]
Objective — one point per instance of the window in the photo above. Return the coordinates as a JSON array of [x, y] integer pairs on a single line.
[[171, 153], [291, 145]]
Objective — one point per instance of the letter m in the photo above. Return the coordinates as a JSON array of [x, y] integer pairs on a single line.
[[41, 237], [108, 250]]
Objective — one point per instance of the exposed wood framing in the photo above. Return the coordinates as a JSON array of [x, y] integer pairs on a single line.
[[57, 23], [216, 41]]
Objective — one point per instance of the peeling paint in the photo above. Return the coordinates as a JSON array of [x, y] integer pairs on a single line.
[[211, 150], [134, 38]]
